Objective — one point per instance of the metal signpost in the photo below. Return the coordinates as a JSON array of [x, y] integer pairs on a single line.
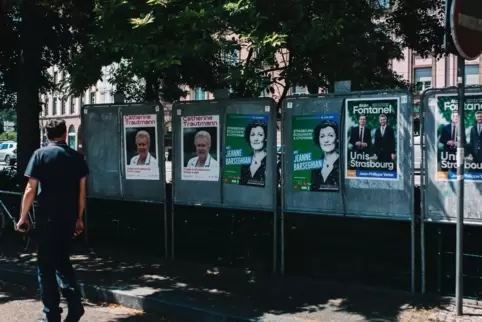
[[465, 27]]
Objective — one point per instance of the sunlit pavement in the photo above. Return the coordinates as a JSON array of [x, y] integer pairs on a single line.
[[21, 304]]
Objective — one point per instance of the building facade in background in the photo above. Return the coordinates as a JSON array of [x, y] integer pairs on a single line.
[[429, 72]]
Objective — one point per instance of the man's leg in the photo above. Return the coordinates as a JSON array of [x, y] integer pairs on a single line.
[[46, 276], [67, 281]]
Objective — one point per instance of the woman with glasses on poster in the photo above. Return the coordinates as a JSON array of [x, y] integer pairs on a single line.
[[254, 174], [325, 136]]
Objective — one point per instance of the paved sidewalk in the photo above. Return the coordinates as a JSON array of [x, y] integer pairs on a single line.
[[200, 293], [21, 304]]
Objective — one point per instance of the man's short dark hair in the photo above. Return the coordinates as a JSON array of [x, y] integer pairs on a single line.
[[56, 129]]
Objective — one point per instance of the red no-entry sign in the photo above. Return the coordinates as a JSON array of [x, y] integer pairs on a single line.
[[466, 27]]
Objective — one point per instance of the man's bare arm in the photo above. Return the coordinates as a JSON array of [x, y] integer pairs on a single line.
[[28, 197], [82, 197]]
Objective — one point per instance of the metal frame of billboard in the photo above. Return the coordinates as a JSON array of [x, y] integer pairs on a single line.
[[160, 143], [411, 175], [425, 174], [223, 105]]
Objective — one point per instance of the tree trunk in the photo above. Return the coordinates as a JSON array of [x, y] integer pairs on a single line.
[[28, 107], [313, 89], [152, 89]]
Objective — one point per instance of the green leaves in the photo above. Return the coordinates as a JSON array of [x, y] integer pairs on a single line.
[[140, 22]]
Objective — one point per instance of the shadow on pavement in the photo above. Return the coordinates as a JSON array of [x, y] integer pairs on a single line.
[[232, 292]]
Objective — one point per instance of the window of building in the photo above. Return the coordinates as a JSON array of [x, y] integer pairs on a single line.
[[423, 78], [92, 97], [72, 105], [72, 136], [46, 107], [55, 78], [298, 90], [472, 75], [384, 4], [63, 109], [54, 106], [232, 57], [44, 136], [199, 94]]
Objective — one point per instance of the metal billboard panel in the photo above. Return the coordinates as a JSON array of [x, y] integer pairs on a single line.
[[294, 199], [439, 185], [220, 189], [193, 185], [391, 199], [152, 189], [363, 197], [246, 195], [102, 147], [106, 149]]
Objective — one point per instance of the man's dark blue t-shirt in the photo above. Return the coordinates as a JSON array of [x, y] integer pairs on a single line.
[[58, 168]]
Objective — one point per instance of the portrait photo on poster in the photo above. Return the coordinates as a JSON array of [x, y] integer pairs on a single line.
[[200, 148], [372, 143], [446, 120], [141, 152], [246, 149], [316, 153]]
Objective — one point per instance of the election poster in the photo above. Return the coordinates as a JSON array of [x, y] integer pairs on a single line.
[[316, 153], [446, 120], [141, 151], [372, 144], [200, 148], [246, 153]]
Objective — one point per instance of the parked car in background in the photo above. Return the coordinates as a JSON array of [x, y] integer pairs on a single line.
[[8, 152]]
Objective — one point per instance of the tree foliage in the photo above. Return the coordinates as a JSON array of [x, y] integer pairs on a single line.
[[36, 35], [195, 43]]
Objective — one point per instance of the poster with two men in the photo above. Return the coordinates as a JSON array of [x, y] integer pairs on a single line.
[[372, 139], [446, 120]]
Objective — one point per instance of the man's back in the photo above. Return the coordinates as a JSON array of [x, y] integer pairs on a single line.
[[58, 168]]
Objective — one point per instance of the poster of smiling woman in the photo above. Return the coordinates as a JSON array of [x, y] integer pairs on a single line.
[[316, 153], [246, 153]]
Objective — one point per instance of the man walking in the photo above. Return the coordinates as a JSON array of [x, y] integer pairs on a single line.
[[59, 173]]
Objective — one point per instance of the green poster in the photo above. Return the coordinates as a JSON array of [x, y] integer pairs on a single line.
[[446, 120], [246, 153], [372, 144], [316, 153]]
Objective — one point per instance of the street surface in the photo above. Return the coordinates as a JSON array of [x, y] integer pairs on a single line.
[[19, 303]]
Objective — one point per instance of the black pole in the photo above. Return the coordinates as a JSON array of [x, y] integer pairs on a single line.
[[460, 186]]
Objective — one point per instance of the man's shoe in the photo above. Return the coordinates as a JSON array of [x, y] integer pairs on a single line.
[[74, 317]]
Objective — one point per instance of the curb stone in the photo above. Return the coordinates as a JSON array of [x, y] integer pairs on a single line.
[[148, 305]]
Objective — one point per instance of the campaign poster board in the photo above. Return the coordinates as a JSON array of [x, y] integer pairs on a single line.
[[246, 149], [439, 160], [372, 145], [447, 116], [316, 153], [115, 143], [141, 150], [250, 177], [363, 192]]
